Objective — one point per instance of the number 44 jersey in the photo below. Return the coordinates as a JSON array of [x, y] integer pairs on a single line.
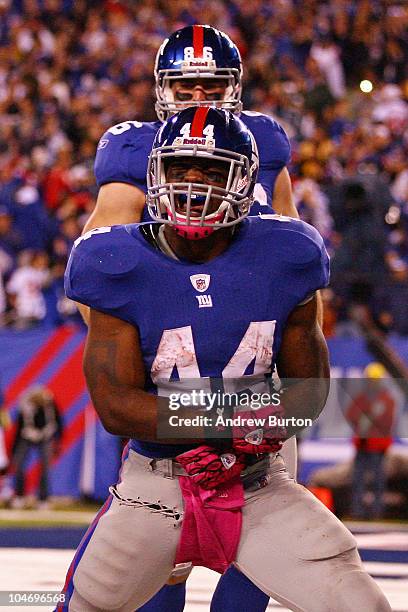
[[219, 319]]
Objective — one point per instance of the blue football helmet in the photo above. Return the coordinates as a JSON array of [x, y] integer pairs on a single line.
[[197, 51], [210, 134]]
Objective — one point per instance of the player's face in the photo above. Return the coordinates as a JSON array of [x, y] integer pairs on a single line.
[[204, 171], [199, 90]]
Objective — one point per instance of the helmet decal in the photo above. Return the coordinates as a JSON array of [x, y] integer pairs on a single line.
[[198, 40]]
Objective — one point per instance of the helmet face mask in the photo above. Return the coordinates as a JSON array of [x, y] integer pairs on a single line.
[[196, 209], [197, 52]]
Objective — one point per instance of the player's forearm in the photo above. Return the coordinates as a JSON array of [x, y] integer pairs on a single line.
[[124, 408], [303, 400], [123, 411], [307, 383], [303, 365], [117, 204], [84, 312], [133, 413], [282, 202]]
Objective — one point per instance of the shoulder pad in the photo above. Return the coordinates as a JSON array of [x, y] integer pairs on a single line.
[[272, 140], [256, 120], [101, 268], [299, 243], [108, 249], [122, 153], [295, 246]]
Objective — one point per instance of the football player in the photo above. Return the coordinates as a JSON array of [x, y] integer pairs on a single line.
[[197, 65], [203, 294]]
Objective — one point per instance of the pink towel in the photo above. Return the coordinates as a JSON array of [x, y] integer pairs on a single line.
[[213, 496], [212, 523]]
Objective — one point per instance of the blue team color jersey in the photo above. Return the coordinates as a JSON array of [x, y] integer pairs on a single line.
[[223, 318], [124, 149]]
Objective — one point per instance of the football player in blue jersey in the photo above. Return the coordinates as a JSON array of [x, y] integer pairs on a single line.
[[205, 294], [197, 65]]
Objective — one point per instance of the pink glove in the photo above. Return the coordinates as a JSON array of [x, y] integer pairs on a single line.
[[209, 469], [261, 436]]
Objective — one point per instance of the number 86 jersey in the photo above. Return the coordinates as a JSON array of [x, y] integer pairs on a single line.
[[219, 319]]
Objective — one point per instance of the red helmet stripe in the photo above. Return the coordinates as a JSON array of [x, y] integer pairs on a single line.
[[198, 123], [198, 40]]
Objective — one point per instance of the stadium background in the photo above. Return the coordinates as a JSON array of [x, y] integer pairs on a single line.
[[333, 73]]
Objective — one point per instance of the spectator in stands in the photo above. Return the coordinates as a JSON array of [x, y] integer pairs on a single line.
[[56, 184], [312, 205], [400, 184], [327, 56], [371, 415], [39, 426], [31, 220], [25, 289], [390, 105], [10, 239]]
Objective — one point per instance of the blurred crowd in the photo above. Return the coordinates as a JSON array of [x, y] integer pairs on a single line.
[[333, 72]]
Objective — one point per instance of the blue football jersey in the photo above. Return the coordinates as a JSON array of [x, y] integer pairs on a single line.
[[219, 319], [274, 154], [124, 149]]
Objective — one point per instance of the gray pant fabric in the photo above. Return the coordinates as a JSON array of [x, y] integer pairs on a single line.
[[291, 546], [289, 455]]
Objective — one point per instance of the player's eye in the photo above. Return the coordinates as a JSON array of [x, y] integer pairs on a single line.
[[184, 96], [176, 172], [215, 176], [214, 95]]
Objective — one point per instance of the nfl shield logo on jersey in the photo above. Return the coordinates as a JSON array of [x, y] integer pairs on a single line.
[[200, 282]]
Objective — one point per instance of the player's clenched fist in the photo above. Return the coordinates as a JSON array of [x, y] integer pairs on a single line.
[[208, 468], [258, 431]]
